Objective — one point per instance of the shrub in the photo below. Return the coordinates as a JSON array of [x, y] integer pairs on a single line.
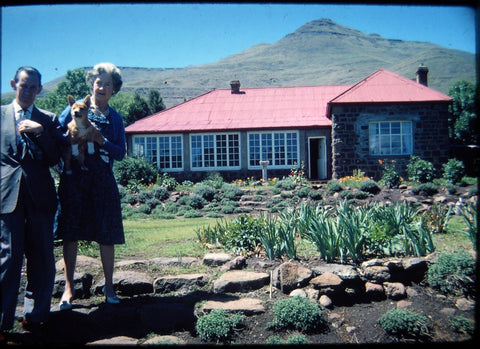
[[166, 181], [297, 339], [242, 234], [153, 202], [453, 171], [205, 191], [346, 194], [287, 184], [361, 195], [303, 192], [192, 214], [159, 192], [461, 324], [135, 168], [218, 325], [315, 195], [405, 323], [214, 179], [334, 186], [390, 176], [196, 201], [144, 208], [231, 191], [426, 189], [453, 273], [369, 186], [298, 313], [171, 207], [144, 195], [420, 170]]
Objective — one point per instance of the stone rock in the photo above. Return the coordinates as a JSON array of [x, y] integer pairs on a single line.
[[237, 263], [216, 259], [84, 263], [298, 292], [417, 266], [377, 273], [131, 262], [371, 263], [82, 283], [394, 290], [448, 311], [128, 283], [465, 304], [327, 283], [403, 304], [121, 340], [374, 291], [165, 340], [173, 261], [291, 275], [249, 306], [171, 283], [345, 272], [325, 301], [240, 281]]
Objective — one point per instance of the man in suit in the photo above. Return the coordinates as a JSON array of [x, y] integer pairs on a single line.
[[28, 202]]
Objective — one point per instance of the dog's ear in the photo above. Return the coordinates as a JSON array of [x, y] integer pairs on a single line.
[[71, 100], [87, 101]]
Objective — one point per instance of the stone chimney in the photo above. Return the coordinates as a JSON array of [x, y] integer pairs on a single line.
[[235, 86], [422, 75]]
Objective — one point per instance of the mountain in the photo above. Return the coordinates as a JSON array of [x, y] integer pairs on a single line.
[[321, 52]]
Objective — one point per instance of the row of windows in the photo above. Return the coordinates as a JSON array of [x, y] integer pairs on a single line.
[[281, 149], [219, 151]]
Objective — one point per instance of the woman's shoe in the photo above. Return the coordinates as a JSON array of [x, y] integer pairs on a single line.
[[111, 300], [65, 305]]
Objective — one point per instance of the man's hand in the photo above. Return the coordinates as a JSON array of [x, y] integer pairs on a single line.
[[30, 126]]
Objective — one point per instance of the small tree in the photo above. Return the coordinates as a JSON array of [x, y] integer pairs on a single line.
[[155, 101], [463, 123]]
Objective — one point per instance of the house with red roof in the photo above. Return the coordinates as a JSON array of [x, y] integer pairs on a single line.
[[330, 131]]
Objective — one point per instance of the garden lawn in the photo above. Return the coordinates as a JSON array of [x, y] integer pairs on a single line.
[[151, 238]]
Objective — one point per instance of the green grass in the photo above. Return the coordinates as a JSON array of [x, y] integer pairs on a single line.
[[150, 238]]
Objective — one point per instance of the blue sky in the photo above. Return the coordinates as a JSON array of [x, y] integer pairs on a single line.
[[57, 38]]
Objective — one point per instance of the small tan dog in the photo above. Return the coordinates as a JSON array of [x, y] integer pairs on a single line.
[[81, 133]]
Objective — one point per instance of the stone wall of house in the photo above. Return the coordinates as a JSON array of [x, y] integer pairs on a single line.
[[350, 144]]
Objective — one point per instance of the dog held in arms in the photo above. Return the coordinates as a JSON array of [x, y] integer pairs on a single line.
[[81, 134]]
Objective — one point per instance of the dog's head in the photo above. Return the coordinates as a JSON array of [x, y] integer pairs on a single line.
[[79, 110]]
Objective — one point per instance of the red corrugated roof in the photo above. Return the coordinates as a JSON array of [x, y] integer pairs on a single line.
[[254, 108], [280, 107], [384, 86]]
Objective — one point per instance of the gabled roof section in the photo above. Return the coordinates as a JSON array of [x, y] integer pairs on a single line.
[[384, 86], [252, 108]]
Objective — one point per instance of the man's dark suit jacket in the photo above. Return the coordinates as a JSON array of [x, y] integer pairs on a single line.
[[35, 171]]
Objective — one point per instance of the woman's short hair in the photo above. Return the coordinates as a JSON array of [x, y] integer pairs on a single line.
[[108, 68]]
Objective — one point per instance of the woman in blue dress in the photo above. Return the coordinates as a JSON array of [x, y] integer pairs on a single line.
[[89, 199]]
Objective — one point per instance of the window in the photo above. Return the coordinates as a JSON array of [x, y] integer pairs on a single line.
[[279, 148], [215, 151], [163, 151], [390, 138]]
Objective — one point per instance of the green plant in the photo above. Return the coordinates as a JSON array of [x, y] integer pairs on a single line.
[[453, 273], [461, 324], [218, 325], [167, 181], [390, 176], [469, 213], [135, 168], [287, 184], [205, 191], [297, 339], [298, 313], [334, 186], [405, 323], [369, 186], [322, 232], [427, 189], [352, 223], [231, 191], [270, 238], [297, 174], [453, 170], [437, 217], [420, 170]]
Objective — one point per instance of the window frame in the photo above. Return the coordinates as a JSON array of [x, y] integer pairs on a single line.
[[213, 154], [175, 152], [269, 145], [379, 140]]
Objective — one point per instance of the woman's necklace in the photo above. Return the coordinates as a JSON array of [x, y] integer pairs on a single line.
[[96, 110]]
